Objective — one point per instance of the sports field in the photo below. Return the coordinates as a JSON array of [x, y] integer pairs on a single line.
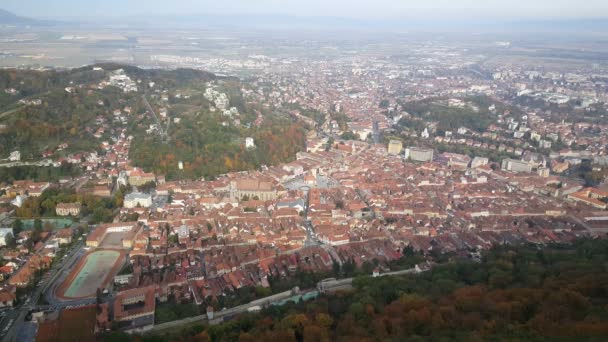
[[92, 274]]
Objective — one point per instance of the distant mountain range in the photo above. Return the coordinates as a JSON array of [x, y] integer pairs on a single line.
[[8, 18]]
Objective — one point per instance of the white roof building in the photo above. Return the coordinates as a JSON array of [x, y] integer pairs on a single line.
[[136, 199], [4, 232]]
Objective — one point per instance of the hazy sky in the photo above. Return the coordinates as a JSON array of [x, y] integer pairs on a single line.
[[340, 8]]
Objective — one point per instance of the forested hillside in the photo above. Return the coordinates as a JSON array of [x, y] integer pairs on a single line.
[[42, 109], [555, 293], [56, 113], [207, 148], [472, 113]]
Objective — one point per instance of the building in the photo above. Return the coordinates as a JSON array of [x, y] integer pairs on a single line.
[[457, 161], [64, 236], [7, 297], [137, 199], [4, 234], [15, 156], [27, 272], [591, 196], [102, 191], [479, 161], [535, 159], [27, 187], [560, 167], [249, 143], [134, 308], [297, 204], [516, 165], [69, 324], [253, 189], [96, 237], [334, 238], [123, 279], [183, 232], [419, 154], [543, 171], [68, 209], [395, 147], [544, 144], [138, 177], [316, 145], [425, 133]]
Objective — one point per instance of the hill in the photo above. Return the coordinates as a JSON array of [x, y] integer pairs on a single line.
[[8, 18], [531, 293], [53, 114], [40, 110]]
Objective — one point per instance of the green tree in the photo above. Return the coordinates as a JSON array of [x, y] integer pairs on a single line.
[[17, 227], [36, 235], [349, 136], [330, 143], [10, 241]]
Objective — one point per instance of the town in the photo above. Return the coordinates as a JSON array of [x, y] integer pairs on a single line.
[[520, 158]]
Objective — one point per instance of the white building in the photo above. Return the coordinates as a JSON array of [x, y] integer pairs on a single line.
[[544, 144], [419, 154], [136, 199], [18, 201], [4, 233], [515, 165], [15, 156], [479, 161], [425, 134], [249, 143], [123, 178], [183, 232]]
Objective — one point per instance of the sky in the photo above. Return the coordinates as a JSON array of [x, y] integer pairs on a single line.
[[329, 8]]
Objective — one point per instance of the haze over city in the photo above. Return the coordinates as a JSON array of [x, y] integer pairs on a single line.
[[335, 8], [303, 170]]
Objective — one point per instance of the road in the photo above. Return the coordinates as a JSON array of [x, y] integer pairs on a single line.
[[17, 315], [49, 294], [218, 316], [347, 283], [311, 240], [19, 107], [44, 162], [327, 285]]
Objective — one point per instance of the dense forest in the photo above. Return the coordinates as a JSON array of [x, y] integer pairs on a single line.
[[208, 148], [68, 116], [533, 293], [207, 143], [61, 117], [450, 118], [39, 173]]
